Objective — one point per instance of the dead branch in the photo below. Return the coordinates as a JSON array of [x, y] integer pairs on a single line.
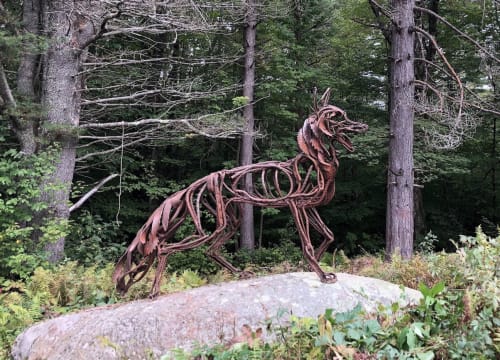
[[5, 91], [110, 151], [96, 188], [459, 32], [102, 27], [438, 93], [377, 10], [448, 65]]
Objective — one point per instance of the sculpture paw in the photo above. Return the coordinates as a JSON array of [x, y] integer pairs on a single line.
[[329, 278], [246, 274], [154, 294]]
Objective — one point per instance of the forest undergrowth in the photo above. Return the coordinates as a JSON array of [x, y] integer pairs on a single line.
[[457, 318]]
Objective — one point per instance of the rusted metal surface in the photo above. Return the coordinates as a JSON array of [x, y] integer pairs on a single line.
[[211, 204]]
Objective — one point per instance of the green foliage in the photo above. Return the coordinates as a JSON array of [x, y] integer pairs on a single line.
[[48, 292], [20, 179], [194, 260], [92, 241], [259, 259], [240, 101], [19, 308], [457, 321], [267, 257], [11, 42], [239, 352], [428, 244]]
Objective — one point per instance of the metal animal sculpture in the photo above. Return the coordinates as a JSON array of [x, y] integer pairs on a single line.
[[211, 204]]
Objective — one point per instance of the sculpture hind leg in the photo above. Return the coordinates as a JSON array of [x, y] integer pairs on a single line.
[[166, 250], [188, 243], [318, 224], [160, 268], [213, 250], [302, 221]]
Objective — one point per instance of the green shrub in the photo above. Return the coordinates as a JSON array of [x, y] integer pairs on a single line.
[[259, 259], [20, 179], [457, 317], [267, 257], [91, 241], [194, 260]]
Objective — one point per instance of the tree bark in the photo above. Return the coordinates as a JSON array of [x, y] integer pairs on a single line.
[[400, 208], [68, 32], [419, 213], [247, 232], [27, 76]]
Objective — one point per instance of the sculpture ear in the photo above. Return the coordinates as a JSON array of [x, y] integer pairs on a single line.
[[315, 99], [323, 123], [302, 143], [325, 98], [323, 126]]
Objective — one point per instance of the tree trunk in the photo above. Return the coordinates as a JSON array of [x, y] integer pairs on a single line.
[[68, 33], [27, 75], [419, 213], [400, 222], [247, 232], [494, 162]]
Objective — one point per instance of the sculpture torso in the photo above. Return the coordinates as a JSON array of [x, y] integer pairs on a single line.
[[301, 180]]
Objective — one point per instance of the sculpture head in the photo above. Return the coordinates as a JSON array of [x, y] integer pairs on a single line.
[[326, 126], [337, 126]]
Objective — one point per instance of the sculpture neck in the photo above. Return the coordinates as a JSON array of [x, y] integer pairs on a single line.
[[325, 159]]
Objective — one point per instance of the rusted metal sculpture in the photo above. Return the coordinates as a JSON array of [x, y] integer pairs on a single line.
[[211, 204]]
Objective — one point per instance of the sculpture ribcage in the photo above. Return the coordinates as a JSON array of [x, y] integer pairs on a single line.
[[212, 203]]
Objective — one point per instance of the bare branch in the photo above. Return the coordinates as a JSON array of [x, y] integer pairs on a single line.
[[448, 65], [119, 98], [458, 31], [104, 22], [5, 91], [109, 151], [377, 11], [201, 61], [142, 122], [96, 188], [437, 92]]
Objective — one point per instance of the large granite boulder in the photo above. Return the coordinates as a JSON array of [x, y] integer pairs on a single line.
[[209, 314]]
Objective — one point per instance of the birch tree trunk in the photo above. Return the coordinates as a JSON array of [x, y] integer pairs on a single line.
[[247, 233], [400, 206]]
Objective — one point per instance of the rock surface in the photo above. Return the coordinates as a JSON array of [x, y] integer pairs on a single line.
[[210, 314]]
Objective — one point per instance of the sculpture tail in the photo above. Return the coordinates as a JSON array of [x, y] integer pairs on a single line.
[[134, 264]]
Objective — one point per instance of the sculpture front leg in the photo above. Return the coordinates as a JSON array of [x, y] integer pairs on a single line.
[[302, 221], [322, 229]]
